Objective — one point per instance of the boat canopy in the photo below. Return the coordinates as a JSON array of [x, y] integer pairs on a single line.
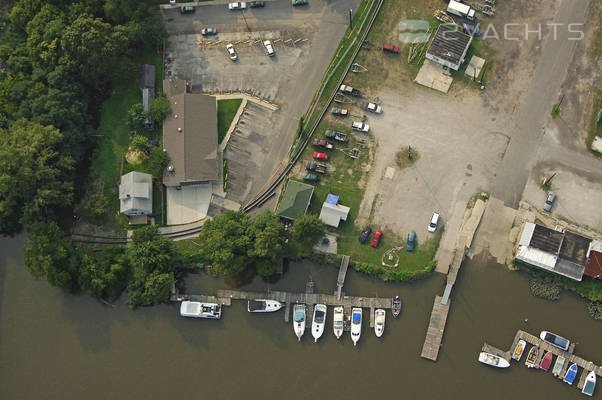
[[299, 316], [357, 318]]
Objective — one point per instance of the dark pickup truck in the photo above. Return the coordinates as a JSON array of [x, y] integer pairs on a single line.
[[323, 143], [341, 137], [315, 167], [349, 90]]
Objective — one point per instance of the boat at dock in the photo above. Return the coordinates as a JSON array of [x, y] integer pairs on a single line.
[[532, 357], [396, 306], [356, 324], [590, 384], [318, 321], [195, 309], [337, 321], [493, 360], [263, 306], [555, 340], [546, 361], [558, 365], [571, 374], [299, 320], [519, 350], [379, 322]]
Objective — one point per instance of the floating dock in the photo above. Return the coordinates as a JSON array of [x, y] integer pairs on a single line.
[[584, 365]]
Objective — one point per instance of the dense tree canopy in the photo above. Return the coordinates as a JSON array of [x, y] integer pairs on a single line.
[[103, 275], [268, 242], [307, 230]]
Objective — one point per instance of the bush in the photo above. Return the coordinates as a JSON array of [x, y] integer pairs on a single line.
[[160, 108], [543, 289], [595, 310], [139, 142]]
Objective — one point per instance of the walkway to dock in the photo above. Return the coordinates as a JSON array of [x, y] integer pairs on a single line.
[[341, 277], [570, 357]]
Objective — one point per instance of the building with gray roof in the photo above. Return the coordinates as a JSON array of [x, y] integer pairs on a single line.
[[449, 47], [136, 194]]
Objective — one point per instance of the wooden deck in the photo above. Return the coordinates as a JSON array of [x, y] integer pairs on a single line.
[[584, 365], [342, 274], [434, 333]]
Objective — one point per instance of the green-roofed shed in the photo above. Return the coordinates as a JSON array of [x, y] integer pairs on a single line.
[[295, 200]]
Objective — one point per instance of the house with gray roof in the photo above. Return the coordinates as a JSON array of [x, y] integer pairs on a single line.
[[136, 194]]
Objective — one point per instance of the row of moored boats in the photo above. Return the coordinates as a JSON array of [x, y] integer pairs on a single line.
[[545, 362]]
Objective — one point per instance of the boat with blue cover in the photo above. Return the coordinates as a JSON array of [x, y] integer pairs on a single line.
[[571, 373]]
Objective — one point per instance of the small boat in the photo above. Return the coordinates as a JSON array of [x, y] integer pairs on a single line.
[[379, 322], [356, 324], [261, 305], [337, 321], [493, 360], [532, 357], [590, 384], [318, 321], [396, 306], [195, 309], [555, 340], [571, 374], [299, 320], [558, 365], [546, 361], [519, 350]]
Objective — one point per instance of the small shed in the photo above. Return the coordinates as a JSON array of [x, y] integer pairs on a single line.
[[136, 194], [449, 47], [295, 200], [332, 212], [146, 83]]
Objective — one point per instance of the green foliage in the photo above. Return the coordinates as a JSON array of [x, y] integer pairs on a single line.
[[267, 235], [307, 230], [136, 117], [226, 110], [160, 108], [543, 289], [157, 162], [104, 275], [595, 310], [93, 208], [139, 142], [225, 174]]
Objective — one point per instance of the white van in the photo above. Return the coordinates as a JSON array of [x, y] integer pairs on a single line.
[[433, 224], [268, 47]]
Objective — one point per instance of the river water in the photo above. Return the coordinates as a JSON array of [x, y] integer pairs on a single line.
[[59, 346]]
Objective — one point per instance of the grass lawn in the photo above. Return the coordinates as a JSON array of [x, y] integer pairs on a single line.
[[596, 129], [226, 110]]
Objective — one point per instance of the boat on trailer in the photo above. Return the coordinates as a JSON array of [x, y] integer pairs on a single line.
[[493, 360], [338, 324], [558, 365], [571, 374], [318, 321], [532, 357], [546, 361], [396, 306], [262, 306], [519, 350], [590, 384], [379, 322], [299, 320]]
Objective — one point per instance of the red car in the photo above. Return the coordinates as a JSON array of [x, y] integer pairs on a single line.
[[320, 156], [376, 239], [389, 48]]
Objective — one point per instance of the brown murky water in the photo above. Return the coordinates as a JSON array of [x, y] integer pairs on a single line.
[[58, 346]]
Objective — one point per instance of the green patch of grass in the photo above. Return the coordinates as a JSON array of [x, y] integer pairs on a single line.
[[595, 129], [226, 110], [556, 111], [225, 174]]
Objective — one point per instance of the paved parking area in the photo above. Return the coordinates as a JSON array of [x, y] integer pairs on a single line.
[[189, 204]]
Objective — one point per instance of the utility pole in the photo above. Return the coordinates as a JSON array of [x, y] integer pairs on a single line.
[[350, 19], [243, 17]]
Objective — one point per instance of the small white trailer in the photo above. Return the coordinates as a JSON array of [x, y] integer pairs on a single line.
[[461, 10]]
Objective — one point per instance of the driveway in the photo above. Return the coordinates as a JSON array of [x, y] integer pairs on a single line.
[[189, 204]]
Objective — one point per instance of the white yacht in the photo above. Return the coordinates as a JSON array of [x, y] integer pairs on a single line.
[[318, 322], [356, 324], [261, 305], [195, 309], [299, 320], [379, 322], [337, 321]]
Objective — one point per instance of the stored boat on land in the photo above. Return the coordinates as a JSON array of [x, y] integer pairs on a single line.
[[546, 361], [493, 360], [532, 357], [261, 305], [196, 309], [519, 349], [299, 320], [555, 340], [396, 306], [318, 321], [379, 322], [571, 374], [337, 321], [590, 384], [558, 365], [356, 324]]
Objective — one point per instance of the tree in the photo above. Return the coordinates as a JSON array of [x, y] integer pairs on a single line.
[[157, 162], [139, 142], [268, 248], [136, 117], [93, 208], [104, 275], [35, 175], [225, 242], [307, 230], [160, 108]]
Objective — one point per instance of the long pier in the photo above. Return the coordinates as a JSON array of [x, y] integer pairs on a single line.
[[585, 365]]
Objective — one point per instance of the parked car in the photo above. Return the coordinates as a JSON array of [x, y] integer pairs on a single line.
[[323, 143], [389, 48], [315, 167], [365, 234], [320, 156], [172, 1], [341, 112], [411, 243], [310, 177], [299, 2], [349, 90], [433, 224], [187, 10], [360, 127], [237, 6], [341, 137], [376, 239], [372, 107], [231, 52], [256, 4], [547, 207], [269, 48], [208, 31]]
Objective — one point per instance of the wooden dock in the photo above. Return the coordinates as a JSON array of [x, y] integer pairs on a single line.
[[584, 365], [434, 333], [342, 274]]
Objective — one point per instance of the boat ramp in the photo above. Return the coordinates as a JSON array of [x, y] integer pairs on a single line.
[[584, 365]]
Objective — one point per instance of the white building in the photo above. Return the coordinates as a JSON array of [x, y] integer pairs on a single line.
[[332, 212], [136, 194]]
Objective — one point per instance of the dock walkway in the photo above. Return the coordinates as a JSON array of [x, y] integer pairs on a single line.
[[342, 275]]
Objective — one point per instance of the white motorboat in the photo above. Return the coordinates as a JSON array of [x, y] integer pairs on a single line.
[[519, 350], [261, 305], [379, 322], [337, 321], [356, 324], [299, 320], [555, 340], [195, 309], [493, 360], [590, 384], [318, 321]]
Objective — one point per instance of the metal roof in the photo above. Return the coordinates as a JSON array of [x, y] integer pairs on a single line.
[[146, 76], [136, 193], [295, 200], [593, 268], [449, 47]]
